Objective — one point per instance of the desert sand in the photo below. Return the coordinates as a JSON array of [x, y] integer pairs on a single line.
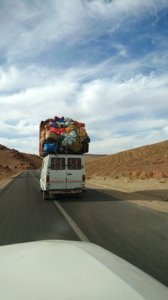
[[151, 193]]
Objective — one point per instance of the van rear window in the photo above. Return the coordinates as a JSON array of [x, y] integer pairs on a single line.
[[57, 163], [74, 163]]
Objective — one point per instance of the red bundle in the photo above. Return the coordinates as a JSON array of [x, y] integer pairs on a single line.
[[58, 131]]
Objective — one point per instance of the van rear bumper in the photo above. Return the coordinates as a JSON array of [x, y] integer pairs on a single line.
[[74, 191]]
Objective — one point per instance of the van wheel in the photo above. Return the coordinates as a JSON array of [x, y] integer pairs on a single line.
[[45, 196]]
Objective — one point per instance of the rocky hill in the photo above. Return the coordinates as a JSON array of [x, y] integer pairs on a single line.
[[140, 163], [143, 162], [13, 161]]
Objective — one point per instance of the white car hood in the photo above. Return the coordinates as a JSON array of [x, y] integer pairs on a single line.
[[62, 270]]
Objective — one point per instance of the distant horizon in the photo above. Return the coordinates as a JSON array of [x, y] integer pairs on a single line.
[[96, 154]]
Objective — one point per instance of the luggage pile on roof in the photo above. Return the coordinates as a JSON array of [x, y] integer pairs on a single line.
[[63, 135]]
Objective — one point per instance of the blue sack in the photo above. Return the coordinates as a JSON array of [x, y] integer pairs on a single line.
[[50, 148]]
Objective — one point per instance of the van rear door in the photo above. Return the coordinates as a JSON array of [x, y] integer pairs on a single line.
[[74, 172], [57, 173]]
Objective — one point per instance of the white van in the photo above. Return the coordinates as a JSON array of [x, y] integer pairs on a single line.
[[62, 174]]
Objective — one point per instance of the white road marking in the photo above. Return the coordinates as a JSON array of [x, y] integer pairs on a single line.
[[74, 226]]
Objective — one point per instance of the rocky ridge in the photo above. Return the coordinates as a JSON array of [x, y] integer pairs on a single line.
[[140, 163], [13, 161]]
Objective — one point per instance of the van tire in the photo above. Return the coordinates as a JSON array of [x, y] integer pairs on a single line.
[[45, 196]]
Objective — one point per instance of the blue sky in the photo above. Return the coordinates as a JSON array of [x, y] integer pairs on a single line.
[[101, 62]]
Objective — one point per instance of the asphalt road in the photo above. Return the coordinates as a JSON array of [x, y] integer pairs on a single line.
[[135, 233]]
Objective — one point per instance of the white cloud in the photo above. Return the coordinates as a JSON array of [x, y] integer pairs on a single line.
[[116, 8], [120, 48], [165, 132], [28, 145], [120, 143], [119, 114], [36, 25]]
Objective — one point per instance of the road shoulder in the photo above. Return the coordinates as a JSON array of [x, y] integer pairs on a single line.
[[5, 181], [149, 193]]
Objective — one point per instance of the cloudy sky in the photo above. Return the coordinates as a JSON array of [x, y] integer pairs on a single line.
[[101, 62]]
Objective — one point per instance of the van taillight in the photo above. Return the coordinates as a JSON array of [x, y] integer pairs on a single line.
[[83, 178], [47, 178]]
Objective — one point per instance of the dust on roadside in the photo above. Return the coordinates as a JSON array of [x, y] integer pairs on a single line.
[[151, 193]]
